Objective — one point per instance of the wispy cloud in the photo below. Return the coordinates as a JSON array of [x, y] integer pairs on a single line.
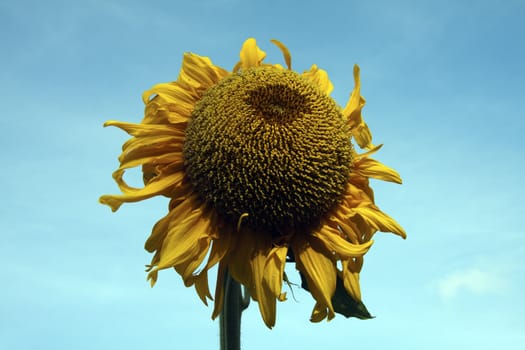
[[473, 280]]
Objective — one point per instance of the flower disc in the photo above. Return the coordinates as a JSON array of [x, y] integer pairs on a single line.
[[269, 143]]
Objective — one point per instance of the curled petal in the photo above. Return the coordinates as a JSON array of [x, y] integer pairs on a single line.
[[356, 101], [285, 51], [143, 130], [362, 135], [319, 313], [154, 188], [352, 112], [341, 247]]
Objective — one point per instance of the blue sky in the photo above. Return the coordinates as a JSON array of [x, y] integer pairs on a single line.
[[444, 83]]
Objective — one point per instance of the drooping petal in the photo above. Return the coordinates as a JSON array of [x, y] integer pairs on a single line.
[[320, 273], [249, 265], [351, 278], [274, 270], [202, 287], [186, 244], [168, 230], [160, 229], [264, 295], [271, 284], [222, 244], [219, 290], [239, 259]]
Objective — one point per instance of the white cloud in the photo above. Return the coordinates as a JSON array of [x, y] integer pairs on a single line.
[[473, 280]]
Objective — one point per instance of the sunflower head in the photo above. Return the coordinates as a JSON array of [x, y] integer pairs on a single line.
[[268, 143], [260, 169]]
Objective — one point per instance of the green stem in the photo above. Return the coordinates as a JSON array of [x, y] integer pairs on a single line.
[[230, 317]]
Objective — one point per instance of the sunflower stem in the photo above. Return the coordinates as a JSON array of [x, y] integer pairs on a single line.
[[230, 317]]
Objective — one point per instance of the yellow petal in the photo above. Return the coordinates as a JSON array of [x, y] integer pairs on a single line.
[[320, 78], [319, 271], [352, 112], [202, 287], [264, 295], [351, 280], [172, 93], [342, 248], [158, 112], [251, 55], [271, 282], [247, 264], [372, 168], [379, 220], [369, 152], [239, 259], [158, 233], [186, 243], [356, 101], [199, 72], [153, 188], [173, 159], [274, 269], [193, 259], [319, 313], [176, 215], [219, 290], [140, 130], [151, 146], [285, 51], [362, 135]]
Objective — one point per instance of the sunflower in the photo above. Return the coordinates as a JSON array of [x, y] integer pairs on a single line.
[[260, 170]]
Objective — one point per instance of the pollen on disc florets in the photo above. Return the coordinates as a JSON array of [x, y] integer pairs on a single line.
[[268, 143]]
